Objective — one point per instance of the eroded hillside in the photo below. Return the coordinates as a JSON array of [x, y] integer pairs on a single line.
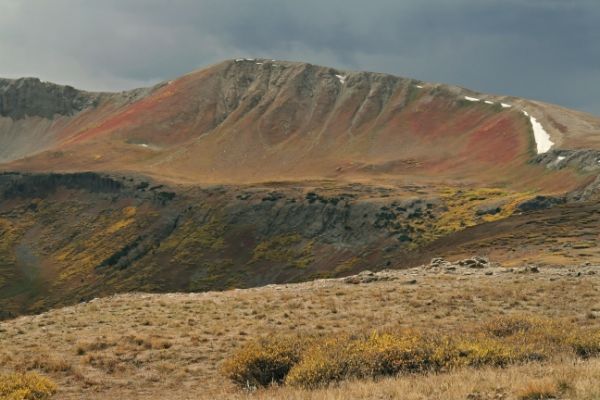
[[72, 237]]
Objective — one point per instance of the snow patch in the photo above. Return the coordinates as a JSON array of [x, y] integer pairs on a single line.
[[471, 98], [488, 102], [542, 138], [504, 105], [143, 145], [560, 158], [259, 63], [239, 59], [342, 78], [419, 86]]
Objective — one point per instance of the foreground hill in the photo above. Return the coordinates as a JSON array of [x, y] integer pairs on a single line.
[[252, 172], [173, 345]]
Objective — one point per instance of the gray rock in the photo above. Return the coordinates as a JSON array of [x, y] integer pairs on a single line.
[[24, 97], [488, 209], [437, 261], [368, 277], [474, 262], [540, 203]]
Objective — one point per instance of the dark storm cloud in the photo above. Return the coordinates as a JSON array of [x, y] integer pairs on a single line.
[[541, 49]]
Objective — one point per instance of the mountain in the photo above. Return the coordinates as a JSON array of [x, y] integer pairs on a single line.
[[252, 172], [244, 121]]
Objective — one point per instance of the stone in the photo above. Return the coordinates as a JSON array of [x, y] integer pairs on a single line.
[[474, 262]]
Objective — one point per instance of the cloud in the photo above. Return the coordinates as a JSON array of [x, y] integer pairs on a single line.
[[541, 49]]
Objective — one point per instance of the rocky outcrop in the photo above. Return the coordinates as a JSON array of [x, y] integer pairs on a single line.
[[540, 203], [30, 97], [437, 265], [14, 185], [476, 262], [584, 160]]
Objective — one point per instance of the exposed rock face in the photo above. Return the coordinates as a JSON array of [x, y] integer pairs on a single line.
[[540, 203], [117, 233], [38, 186], [585, 160], [30, 97]]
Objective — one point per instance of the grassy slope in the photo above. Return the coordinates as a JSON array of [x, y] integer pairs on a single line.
[[157, 346]]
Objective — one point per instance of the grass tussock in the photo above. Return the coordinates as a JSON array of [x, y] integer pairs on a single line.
[[28, 386], [317, 362], [47, 363], [543, 389], [586, 346]]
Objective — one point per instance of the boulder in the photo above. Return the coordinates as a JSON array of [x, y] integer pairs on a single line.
[[474, 262]]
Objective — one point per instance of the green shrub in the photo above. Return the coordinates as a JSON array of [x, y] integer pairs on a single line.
[[29, 386]]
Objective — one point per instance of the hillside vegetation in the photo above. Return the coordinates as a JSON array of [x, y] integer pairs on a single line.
[[176, 345]]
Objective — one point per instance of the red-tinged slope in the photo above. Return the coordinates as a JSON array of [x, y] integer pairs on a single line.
[[258, 120]]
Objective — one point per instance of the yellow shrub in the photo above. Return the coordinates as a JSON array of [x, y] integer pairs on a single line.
[[333, 360], [27, 386], [482, 351], [264, 362], [403, 353], [318, 362]]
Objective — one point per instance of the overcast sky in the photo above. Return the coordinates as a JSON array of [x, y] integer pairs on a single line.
[[540, 49]]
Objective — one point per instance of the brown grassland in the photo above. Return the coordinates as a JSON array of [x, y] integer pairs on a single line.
[[178, 346]]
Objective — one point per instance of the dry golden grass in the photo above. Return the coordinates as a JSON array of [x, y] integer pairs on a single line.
[[571, 381], [173, 345], [540, 389]]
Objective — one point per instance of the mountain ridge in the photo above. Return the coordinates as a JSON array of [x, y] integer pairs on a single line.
[[268, 116]]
